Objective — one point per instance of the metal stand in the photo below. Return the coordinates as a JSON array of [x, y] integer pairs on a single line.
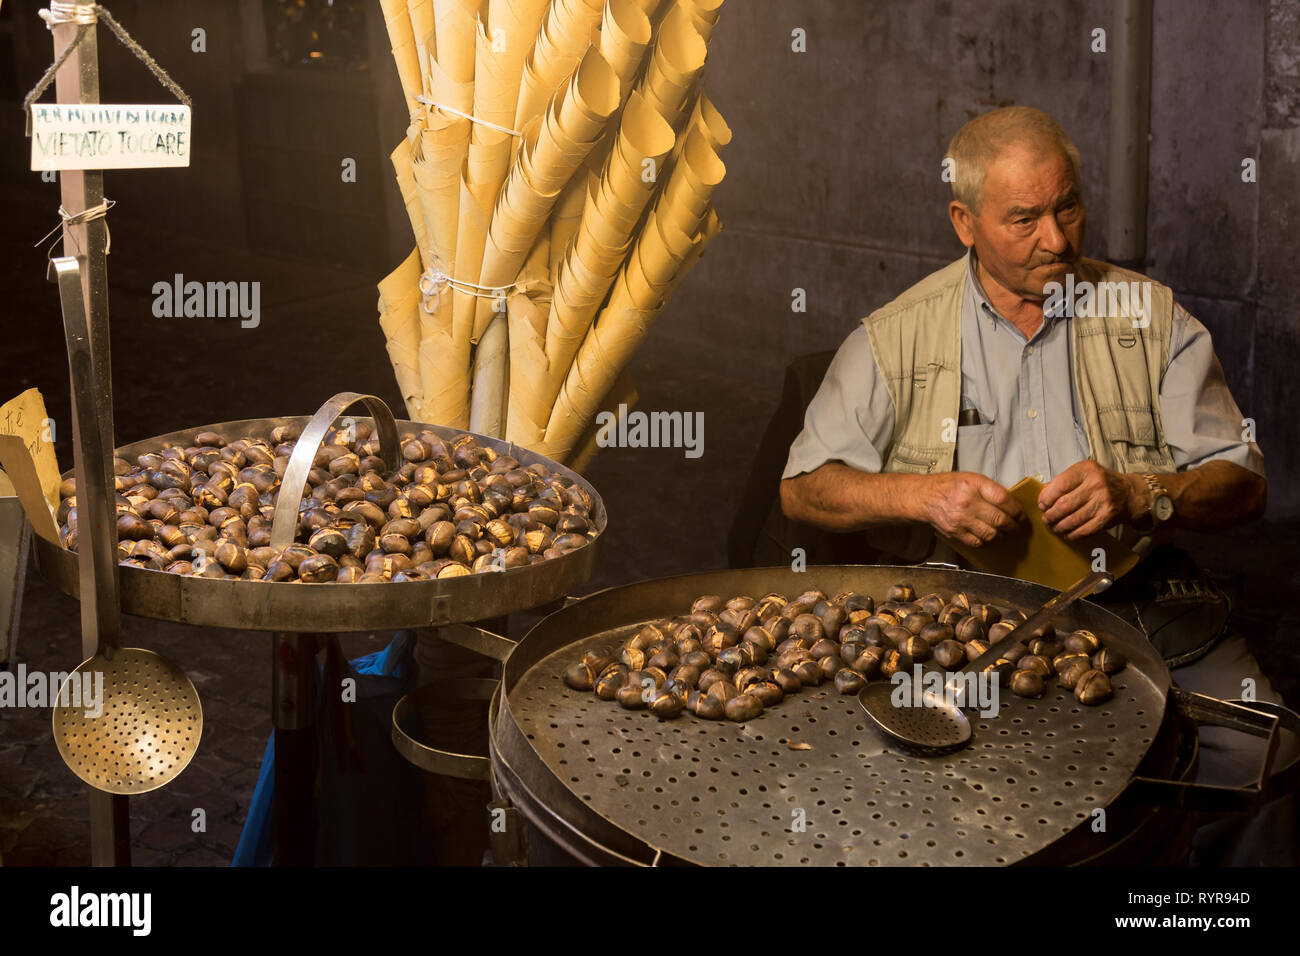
[[77, 81], [293, 701]]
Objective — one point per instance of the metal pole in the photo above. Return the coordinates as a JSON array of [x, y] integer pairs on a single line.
[[293, 713], [1130, 123], [77, 81]]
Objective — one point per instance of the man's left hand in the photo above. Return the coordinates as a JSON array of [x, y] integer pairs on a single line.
[[1087, 498]]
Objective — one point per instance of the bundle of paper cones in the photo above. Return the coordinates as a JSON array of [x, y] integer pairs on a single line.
[[558, 173]]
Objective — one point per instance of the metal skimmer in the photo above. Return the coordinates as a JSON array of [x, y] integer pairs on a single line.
[[726, 793]]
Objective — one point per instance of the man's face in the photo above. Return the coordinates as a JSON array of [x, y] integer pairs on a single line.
[[1029, 230]]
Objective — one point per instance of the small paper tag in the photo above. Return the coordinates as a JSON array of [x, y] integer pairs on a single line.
[[109, 136]]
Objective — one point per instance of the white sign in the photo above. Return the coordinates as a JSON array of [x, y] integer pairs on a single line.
[[109, 136]]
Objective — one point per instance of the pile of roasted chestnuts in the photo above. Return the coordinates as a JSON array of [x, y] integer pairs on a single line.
[[732, 658], [453, 507]]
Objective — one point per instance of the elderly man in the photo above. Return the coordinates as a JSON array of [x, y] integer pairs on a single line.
[[1023, 358]]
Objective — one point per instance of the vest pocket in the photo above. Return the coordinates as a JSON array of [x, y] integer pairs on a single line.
[[1132, 434], [911, 461]]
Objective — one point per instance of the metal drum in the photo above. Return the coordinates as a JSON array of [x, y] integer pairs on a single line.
[[323, 608]]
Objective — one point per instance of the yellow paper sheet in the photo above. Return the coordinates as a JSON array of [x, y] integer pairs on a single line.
[[27, 454], [1033, 552]]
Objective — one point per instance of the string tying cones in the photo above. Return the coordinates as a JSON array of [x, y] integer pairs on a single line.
[[558, 175]]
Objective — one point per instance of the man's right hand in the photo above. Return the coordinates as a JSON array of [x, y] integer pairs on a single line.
[[969, 507]]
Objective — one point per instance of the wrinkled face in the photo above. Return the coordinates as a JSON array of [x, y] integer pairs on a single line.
[[1029, 230]]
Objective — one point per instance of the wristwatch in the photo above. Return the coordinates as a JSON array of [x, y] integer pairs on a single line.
[[1161, 508]]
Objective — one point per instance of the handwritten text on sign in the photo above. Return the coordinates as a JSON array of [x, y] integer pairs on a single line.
[[109, 136]]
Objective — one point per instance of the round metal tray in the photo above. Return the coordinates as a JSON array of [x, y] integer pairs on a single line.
[[295, 606], [706, 792]]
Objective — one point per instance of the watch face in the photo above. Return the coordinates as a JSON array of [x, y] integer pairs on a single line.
[[1163, 508]]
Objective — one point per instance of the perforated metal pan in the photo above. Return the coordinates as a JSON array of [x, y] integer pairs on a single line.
[[708, 793]]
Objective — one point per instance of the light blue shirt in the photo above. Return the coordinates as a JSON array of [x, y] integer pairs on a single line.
[[1024, 392]]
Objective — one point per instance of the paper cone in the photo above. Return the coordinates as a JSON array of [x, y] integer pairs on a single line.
[[543, 167], [437, 183], [624, 36], [561, 42], [565, 217], [504, 40], [654, 267], [402, 41], [401, 159], [622, 392], [526, 411], [704, 13], [620, 328], [711, 227], [454, 24], [644, 141], [399, 306], [420, 13], [487, 401], [674, 66], [476, 203]]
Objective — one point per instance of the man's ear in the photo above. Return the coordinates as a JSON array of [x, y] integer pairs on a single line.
[[963, 222]]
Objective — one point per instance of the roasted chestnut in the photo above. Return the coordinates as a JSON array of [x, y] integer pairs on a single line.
[[970, 629], [1063, 660], [579, 676], [809, 672], [666, 706], [1039, 665], [1109, 661], [902, 593], [787, 680], [1027, 683], [1092, 688], [610, 681], [1082, 642], [708, 707], [868, 662], [849, 681], [1070, 675], [916, 648], [1002, 669], [743, 707], [318, 569], [894, 662], [723, 690], [769, 692], [1046, 647]]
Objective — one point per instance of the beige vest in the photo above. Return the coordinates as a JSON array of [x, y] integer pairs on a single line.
[[916, 341]]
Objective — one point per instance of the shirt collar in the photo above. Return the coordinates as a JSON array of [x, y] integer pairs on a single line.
[[983, 306]]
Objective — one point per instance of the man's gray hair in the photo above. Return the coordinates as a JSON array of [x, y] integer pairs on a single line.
[[980, 141]]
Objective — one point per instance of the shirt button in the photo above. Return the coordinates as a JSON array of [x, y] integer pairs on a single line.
[[1032, 413], [1039, 479], [1029, 350]]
